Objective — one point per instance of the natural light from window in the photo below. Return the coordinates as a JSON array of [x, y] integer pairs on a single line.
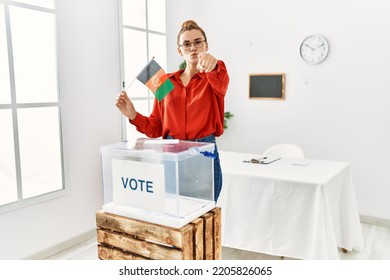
[[31, 163], [144, 37]]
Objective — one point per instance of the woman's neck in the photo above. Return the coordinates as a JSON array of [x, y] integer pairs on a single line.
[[188, 73], [191, 70]]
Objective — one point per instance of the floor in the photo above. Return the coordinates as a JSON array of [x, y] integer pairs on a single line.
[[376, 240]]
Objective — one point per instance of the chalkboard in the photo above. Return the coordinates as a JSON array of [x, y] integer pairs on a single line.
[[266, 86]]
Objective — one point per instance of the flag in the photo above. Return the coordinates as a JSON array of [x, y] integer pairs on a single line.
[[155, 78]]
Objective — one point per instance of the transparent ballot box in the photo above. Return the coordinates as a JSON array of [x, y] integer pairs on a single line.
[[167, 182]]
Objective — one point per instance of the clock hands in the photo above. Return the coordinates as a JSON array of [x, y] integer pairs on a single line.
[[309, 47], [313, 49]]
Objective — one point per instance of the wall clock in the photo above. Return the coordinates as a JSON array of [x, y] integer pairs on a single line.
[[314, 49]]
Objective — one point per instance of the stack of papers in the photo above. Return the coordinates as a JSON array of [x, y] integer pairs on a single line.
[[268, 160], [263, 160]]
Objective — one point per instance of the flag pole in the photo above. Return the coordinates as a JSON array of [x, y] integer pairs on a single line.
[[130, 84]]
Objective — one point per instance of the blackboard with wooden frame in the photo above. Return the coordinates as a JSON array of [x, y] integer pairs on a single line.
[[267, 86]]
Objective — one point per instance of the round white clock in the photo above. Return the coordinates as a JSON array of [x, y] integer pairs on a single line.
[[314, 49]]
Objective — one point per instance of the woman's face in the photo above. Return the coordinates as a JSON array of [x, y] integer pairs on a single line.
[[191, 44]]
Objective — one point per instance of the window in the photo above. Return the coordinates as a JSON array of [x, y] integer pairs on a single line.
[[31, 167], [143, 37]]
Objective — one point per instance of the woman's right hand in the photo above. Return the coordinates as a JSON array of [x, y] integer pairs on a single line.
[[125, 105]]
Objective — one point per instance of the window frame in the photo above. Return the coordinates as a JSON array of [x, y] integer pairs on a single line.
[[150, 97], [14, 106]]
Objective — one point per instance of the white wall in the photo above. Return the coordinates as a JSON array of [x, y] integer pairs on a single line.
[[337, 110], [89, 60]]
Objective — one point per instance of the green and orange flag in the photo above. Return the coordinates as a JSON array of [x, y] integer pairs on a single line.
[[155, 78]]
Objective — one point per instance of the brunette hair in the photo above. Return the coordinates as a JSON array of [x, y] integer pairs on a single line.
[[189, 25]]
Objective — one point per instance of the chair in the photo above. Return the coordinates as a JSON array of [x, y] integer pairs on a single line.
[[285, 150]]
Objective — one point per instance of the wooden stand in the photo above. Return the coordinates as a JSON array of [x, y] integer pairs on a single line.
[[122, 238]]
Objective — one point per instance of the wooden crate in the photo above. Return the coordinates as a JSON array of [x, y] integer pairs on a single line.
[[122, 238]]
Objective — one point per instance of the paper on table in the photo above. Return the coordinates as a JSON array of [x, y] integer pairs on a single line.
[[262, 160], [268, 160]]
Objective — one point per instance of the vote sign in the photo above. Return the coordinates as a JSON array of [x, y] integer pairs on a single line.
[[139, 185]]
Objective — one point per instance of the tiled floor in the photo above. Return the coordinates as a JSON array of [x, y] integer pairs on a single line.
[[376, 241]]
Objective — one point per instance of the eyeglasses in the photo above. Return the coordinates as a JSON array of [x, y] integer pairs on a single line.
[[187, 45]]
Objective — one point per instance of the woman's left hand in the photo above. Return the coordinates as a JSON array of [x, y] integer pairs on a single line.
[[206, 62]]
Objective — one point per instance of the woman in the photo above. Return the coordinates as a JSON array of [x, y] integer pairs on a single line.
[[194, 109]]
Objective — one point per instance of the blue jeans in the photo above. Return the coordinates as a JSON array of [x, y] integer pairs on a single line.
[[217, 165]]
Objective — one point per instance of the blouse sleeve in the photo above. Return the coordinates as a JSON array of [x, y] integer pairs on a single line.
[[219, 78], [151, 126]]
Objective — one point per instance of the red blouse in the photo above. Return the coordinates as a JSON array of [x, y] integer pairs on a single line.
[[189, 112]]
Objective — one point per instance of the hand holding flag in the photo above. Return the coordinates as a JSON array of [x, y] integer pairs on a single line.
[[125, 105], [155, 78]]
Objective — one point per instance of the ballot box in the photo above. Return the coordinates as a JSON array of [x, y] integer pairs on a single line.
[[166, 182]]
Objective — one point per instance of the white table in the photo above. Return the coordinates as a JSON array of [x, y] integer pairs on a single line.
[[285, 209]]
